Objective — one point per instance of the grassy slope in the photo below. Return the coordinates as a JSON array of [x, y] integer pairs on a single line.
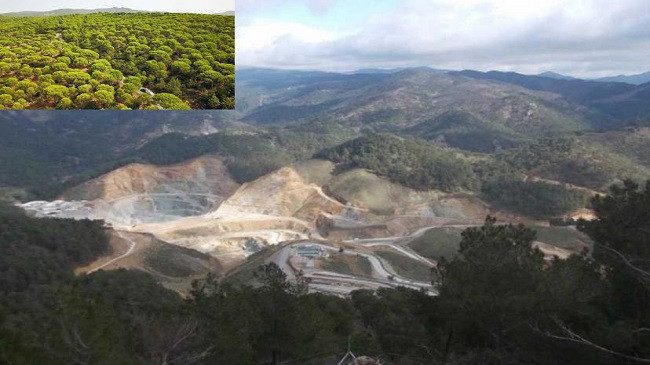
[[563, 237], [437, 243], [405, 266], [445, 242], [244, 273], [349, 265]]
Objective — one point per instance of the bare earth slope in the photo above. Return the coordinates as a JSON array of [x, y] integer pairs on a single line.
[[205, 174]]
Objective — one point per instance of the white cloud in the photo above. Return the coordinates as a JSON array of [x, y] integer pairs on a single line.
[[272, 44], [584, 37], [320, 5]]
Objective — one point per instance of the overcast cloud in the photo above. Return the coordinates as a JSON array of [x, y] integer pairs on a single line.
[[178, 6], [584, 38]]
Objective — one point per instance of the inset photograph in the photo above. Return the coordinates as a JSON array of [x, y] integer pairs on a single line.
[[119, 55]]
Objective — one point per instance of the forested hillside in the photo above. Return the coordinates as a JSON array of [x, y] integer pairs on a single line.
[[409, 161], [43, 151], [574, 161], [45, 158], [117, 61], [424, 165], [467, 131], [619, 100]]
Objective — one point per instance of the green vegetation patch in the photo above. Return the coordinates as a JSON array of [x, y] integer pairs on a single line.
[[408, 161], [444, 242], [467, 131], [633, 143], [534, 198], [348, 265], [573, 161], [41, 251], [177, 261], [117, 61], [248, 156], [41, 160], [423, 165], [405, 266], [244, 274], [337, 265], [563, 237], [437, 243]]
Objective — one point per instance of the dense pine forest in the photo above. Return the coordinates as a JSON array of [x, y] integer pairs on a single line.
[[499, 303], [117, 61]]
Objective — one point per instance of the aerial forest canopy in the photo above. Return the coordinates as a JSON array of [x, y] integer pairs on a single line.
[[117, 61]]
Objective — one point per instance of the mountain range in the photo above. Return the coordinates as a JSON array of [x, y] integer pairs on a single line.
[[290, 115], [528, 105], [638, 79]]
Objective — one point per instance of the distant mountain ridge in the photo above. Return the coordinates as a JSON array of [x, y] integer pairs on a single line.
[[73, 11], [229, 13], [619, 100], [555, 75], [638, 79], [385, 102]]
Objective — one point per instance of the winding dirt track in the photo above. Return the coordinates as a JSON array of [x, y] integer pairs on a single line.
[[132, 246]]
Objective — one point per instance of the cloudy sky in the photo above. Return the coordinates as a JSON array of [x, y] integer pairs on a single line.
[[583, 38], [185, 6]]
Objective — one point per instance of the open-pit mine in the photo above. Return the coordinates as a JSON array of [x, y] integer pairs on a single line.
[[340, 232]]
